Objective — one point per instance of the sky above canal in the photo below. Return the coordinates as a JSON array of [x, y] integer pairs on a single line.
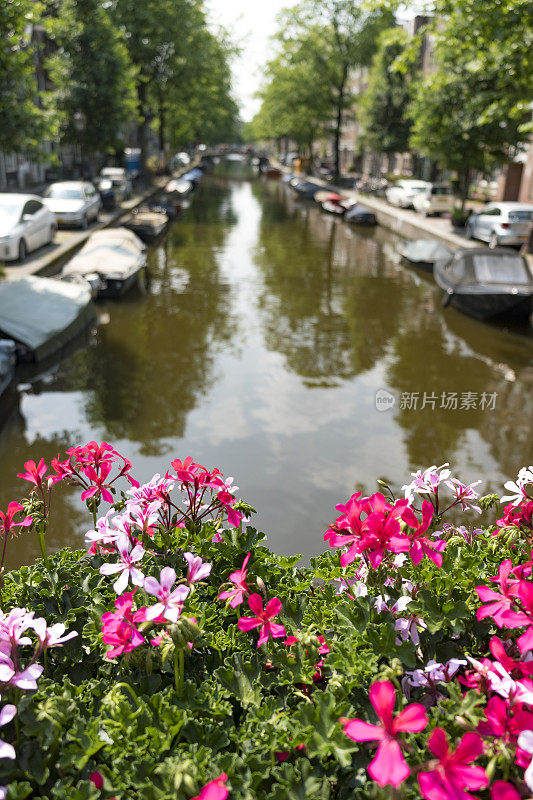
[[251, 23]]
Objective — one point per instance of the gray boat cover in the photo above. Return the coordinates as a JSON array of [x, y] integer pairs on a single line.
[[424, 251], [44, 313], [111, 252]]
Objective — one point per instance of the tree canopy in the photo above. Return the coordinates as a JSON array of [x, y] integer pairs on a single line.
[[22, 120]]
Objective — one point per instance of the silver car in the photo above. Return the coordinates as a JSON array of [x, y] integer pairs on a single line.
[[501, 224], [25, 224], [75, 203]]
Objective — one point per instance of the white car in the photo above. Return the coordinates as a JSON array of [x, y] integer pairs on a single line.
[[25, 224], [75, 203], [504, 223], [403, 192], [438, 197]]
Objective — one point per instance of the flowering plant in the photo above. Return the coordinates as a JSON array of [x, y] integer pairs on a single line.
[[178, 657]]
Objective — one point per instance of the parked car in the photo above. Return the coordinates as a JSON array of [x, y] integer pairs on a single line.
[[501, 224], [121, 182], [404, 192], [25, 225], [435, 199], [74, 203]]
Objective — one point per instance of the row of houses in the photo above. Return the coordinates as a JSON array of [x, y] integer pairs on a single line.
[[513, 181]]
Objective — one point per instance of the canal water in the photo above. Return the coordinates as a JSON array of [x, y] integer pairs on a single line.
[[290, 350]]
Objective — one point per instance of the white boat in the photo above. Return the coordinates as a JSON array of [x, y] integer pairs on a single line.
[[113, 256], [43, 315]]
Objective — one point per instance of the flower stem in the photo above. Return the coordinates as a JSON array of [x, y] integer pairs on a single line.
[[178, 670]]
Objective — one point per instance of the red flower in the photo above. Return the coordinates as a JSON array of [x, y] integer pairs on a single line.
[[451, 776], [7, 524], [501, 790], [388, 765], [262, 618], [214, 790], [34, 472], [119, 628], [421, 545], [236, 595]]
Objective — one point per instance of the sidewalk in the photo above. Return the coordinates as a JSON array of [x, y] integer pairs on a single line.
[[412, 225], [405, 223], [48, 260]]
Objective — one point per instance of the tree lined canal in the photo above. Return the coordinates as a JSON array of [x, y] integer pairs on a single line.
[[263, 336]]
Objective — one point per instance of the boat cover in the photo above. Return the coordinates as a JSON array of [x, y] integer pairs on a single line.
[[357, 210], [111, 252], [44, 313], [193, 175], [425, 251]]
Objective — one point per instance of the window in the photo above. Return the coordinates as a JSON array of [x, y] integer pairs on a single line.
[[31, 207], [492, 212]]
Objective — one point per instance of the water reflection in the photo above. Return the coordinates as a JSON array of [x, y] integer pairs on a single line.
[[258, 345]]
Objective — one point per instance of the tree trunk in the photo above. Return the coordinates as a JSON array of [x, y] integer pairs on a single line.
[[464, 184], [338, 121], [142, 127], [162, 123]]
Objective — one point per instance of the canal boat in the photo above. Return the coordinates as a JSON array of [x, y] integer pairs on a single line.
[[7, 364], [305, 189], [358, 214], [42, 315], [111, 260], [146, 224], [424, 252], [177, 189], [486, 283], [194, 176]]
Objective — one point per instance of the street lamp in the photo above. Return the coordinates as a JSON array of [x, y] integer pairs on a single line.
[[80, 121]]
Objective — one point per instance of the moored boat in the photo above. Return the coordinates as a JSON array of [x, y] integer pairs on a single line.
[[115, 256], [424, 252], [358, 214], [145, 223], [486, 283], [42, 315]]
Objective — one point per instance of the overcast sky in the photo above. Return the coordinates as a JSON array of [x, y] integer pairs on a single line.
[[251, 22]]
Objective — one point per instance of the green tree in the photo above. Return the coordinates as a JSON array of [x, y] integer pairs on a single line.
[[483, 78], [384, 105], [293, 103], [93, 96], [200, 105], [22, 120], [340, 36]]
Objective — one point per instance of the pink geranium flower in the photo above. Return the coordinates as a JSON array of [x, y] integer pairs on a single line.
[[126, 565], [388, 765], [34, 472], [170, 602], [198, 569], [52, 636], [502, 790], [422, 545], [498, 605], [120, 627], [214, 790], [236, 595], [6, 520], [262, 619], [6, 715], [451, 777]]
